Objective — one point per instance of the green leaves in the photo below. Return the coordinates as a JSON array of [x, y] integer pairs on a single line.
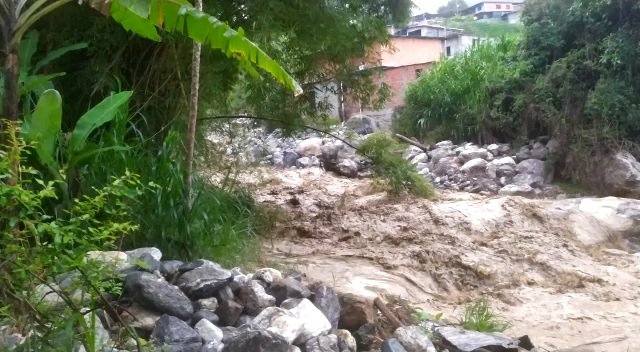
[[100, 114], [142, 18], [43, 127]]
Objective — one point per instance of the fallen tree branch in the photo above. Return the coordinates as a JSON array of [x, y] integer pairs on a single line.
[[387, 313], [425, 148]]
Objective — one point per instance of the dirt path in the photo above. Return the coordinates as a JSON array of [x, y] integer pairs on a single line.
[[563, 272]]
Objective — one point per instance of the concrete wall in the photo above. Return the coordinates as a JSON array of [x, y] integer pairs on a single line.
[[404, 51]]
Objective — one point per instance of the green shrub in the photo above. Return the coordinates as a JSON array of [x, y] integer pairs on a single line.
[[478, 316], [397, 174]]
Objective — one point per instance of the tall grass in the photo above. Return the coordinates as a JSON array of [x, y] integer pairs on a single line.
[[478, 316]]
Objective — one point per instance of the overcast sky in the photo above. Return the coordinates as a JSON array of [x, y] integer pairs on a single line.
[[430, 6]]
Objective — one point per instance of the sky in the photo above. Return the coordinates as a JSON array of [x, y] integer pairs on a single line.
[[430, 6]]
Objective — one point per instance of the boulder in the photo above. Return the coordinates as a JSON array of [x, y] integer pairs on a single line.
[[157, 294], [355, 312], [524, 153], [411, 152], [621, 175], [277, 159], [210, 303], [414, 339], [314, 323], [470, 341], [288, 288], [348, 168], [446, 165], [440, 153], [281, 322], [366, 337], [310, 146], [209, 332], [229, 310], [154, 252], [326, 343], [47, 296], [267, 275], [170, 268], [113, 260], [244, 319], [420, 158], [174, 335], [254, 298], [475, 167], [444, 144], [289, 158], [473, 153], [146, 262], [140, 318], [528, 180], [535, 167], [494, 149], [303, 163], [204, 281], [361, 124], [539, 151], [517, 190], [346, 341], [206, 315], [326, 300], [392, 345], [501, 167], [254, 340]]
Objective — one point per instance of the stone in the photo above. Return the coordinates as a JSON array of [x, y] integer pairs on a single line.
[[288, 288], [366, 337], [196, 264], [253, 340], [277, 159], [539, 151], [114, 260], [241, 280], [420, 158], [346, 341], [147, 262], [204, 281], [326, 343], [501, 167], [494, 149], [392, 345], [475, 167], [244, 319], [504, 149], [310, 146], [348, 168], [268, 275], [140, 318], [210, 303], [173, 334], [229, 311], [154, 252], [314, 323], [206, 315], [361, 124], [303, 162], [470, 154], [528, 180], [157, 294], [411, 152], [47, 296], [621, 175], [470, 341], [537, 168], [209, 332], [355, 311], [445, 165], [289, 158], [517, 190], [440, 153], [254, 298], [281, 322], [326, 300], [169, 268], [523, 154], [101, 336], [414, 339], [444, 144], [553, 147]]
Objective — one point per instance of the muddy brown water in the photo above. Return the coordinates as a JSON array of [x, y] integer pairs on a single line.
[[563, 272]]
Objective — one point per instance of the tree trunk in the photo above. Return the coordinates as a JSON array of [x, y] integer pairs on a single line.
[[10, 114], [193, 115]]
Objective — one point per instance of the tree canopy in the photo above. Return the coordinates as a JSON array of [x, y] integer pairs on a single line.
[[452, 7]]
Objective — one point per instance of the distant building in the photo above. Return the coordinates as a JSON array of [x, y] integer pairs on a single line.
[[513, 17], [493, 10]]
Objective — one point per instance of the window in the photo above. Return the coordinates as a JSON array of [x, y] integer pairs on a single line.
[[498, 6], [418, 72], [508, 7], [479, 8], [448, 51]]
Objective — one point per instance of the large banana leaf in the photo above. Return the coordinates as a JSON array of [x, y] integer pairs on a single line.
[[100, 114], [43, 127], [144, 17]]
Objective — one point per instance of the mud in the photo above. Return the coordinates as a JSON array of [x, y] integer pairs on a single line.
[[564, 272]]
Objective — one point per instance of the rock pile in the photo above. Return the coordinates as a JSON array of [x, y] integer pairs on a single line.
[[488, 169], [200, 306]]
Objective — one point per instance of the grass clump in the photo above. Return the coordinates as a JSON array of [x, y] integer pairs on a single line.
[[397, 174], [478, 316]]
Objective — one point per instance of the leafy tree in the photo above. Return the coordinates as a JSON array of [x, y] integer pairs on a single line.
[[452, 7]]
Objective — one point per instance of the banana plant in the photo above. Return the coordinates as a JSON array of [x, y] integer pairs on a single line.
[[62, 156]]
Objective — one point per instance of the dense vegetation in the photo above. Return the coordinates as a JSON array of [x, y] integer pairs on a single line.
[[573, 75]]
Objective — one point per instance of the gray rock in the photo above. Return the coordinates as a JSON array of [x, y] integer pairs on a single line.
[[346, 341], [528, 180], [147, 262], [229, 310], [392, 345], [170, 267], [444, 144], [539, 151], [239, 281], [281, 322], [348, 168], [411, 152], [501, 167], [470, 341], [254, 298], [277, 159], [210, 303], [196, 264], [140, 318], [420, 158], [173, 334], [244, 319], [446, 165], [157, 294], [154, 252], [523, 154], [303, 162], [366, 337], [314, 323], [209, 332], [473, 153], [517, 190], [289, 158], [326, 343], [553, 147], [309, 147], [326, 300], [361, 124], [440, 153], [621, 175], [206, 315], [204, 281], [494, 149], [268, 275], [47, 296], [253, 340], [288, 288], [535, 167], [113, 260], [475, 167], [414, 339], [356, 311]]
